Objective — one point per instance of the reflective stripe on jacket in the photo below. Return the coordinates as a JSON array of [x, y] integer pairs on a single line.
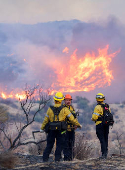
[[64, 113]]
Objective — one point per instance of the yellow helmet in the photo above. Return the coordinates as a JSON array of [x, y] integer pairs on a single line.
[[58, 96], [100, 97]]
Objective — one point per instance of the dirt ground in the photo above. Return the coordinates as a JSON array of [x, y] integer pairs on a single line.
[[35, 163]]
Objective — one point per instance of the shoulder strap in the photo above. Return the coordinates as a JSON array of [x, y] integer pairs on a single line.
[[69, 107], [105, 107], [56, 111], [73, 108]]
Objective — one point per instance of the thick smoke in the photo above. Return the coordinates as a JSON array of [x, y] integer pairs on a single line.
[[28, 51]]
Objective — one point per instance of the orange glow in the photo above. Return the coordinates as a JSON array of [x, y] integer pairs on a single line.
[[66, 50], [74, 73], [8, 55], [3, 96], [20, 96], [86, 73]]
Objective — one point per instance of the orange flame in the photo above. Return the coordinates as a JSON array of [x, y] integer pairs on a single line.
[[21, 95], [77, 74], [8, 55], [66, 50], [13, 96], [86, 73]]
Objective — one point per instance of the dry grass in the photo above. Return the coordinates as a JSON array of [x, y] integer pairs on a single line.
[[3, 114], [37, 149], [32, 149], [8, 160], [82, 148]]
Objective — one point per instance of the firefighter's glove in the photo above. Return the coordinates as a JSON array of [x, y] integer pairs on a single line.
[[80, 126], [42, 131]]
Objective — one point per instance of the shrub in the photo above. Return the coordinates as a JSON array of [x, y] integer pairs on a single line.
[[82, 148], [37, 149], [3, 114], [8, 160]]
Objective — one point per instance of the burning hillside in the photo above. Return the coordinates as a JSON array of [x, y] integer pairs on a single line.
[[78, 73], [85, 73], [68, 56]]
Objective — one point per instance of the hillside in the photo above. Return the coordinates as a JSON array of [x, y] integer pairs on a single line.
[[116, 137], [29, 158]]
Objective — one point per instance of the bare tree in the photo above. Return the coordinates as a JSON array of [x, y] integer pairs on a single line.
[[26, 105]]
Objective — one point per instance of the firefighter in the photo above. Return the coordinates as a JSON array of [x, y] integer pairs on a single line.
[[70, 133], [56, 117], [102, 130]]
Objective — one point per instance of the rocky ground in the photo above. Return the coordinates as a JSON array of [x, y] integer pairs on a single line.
[[32, 162]]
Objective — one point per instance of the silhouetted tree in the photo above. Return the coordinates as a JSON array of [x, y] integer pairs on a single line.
[[26, 105]]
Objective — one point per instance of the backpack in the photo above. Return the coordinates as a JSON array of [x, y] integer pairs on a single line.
[[57, 125], [107, 117]]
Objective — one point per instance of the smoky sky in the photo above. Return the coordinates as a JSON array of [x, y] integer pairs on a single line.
[[26, 51]]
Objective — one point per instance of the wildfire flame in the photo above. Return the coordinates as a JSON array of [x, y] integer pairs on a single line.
[[66, 50], [13, 96], [78, 74], [86, 73], [8, 55]]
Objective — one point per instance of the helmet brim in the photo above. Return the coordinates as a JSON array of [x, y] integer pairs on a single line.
[[68, 98], [57, 99]]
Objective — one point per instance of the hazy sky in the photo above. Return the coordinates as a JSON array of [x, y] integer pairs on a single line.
[[35, 11]]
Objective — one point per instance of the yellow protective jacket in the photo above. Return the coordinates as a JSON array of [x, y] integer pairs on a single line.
[[98, 112], [63, 115], [72, 110]]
